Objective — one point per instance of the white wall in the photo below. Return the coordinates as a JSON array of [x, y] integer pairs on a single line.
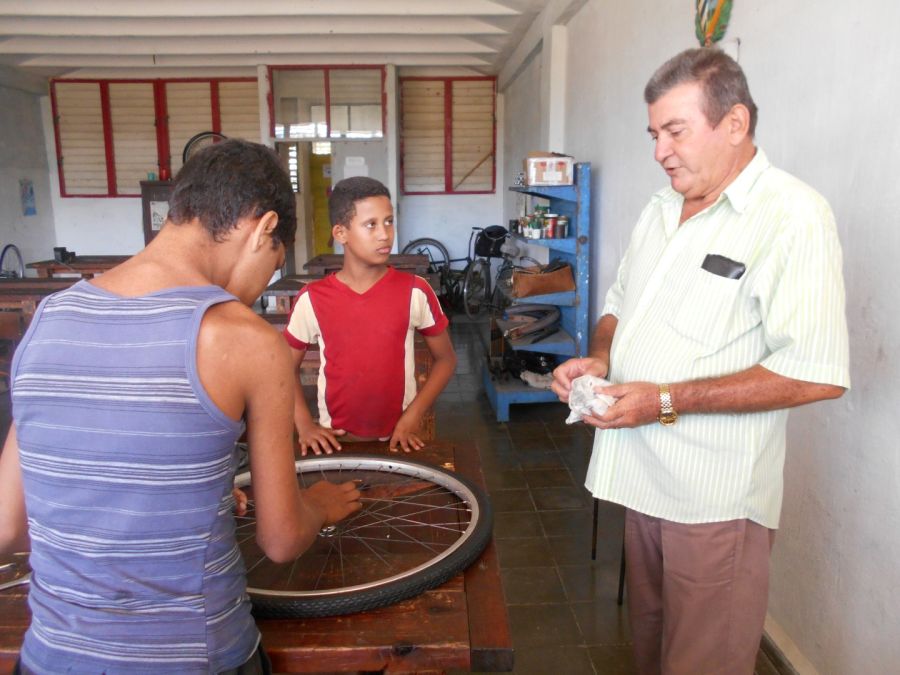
[[824, 75], [447, 218], [22, 156]]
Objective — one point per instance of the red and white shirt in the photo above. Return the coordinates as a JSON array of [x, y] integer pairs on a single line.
[[367, 360]]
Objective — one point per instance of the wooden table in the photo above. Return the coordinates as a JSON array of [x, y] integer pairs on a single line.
[[462, 624], [332, 262], [84, 265], [285, 289], [22, 296]]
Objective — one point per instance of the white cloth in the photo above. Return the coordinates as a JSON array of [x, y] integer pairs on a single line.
[[583, 400]]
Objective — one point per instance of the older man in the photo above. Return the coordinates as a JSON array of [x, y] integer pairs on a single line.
[[727, 309]]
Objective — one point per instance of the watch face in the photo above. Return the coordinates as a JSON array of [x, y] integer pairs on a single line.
[[668, 418]]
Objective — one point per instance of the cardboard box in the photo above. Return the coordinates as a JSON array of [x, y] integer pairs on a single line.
[[549, 168]]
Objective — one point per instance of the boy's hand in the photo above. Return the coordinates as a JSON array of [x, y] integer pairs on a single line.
[[319, 440], [240, 502], [405, 436], [334, 501]]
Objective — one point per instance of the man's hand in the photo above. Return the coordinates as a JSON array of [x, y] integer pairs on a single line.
[[319, 439], [637, 404], [568, 371], [405, 436], [334, 501]]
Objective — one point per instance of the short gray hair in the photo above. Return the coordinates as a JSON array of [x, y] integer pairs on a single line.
[[723, 82]]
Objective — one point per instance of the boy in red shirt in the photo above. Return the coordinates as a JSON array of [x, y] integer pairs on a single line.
[[364, 318]]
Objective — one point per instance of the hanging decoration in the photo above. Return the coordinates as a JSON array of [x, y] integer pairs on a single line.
[[712, 20]]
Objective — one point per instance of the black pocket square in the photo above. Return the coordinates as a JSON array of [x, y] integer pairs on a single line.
[[723, 267]]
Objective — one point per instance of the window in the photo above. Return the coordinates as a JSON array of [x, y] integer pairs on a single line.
[[110, 134], [448, 135], [328, 102]]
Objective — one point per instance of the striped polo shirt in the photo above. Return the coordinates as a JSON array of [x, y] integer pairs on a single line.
[[677, 322], [128, 467]]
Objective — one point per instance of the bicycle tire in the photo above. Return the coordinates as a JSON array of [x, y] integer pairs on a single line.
[[199, 141], [19, 272], [352, 597], [476, 287]]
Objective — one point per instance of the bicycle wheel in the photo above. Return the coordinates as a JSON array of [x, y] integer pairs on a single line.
[[477, 287], [438, 257], [419, 526], [11, 264], [199, 141]]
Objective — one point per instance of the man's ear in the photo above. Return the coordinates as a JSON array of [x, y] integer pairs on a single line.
[[339, 233], [263, 230], [738, 121]]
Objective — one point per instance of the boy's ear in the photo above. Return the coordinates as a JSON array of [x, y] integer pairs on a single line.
[[262, 231], [339, 232]]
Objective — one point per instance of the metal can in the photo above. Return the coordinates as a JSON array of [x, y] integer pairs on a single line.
[[550, 225], [562, 227]]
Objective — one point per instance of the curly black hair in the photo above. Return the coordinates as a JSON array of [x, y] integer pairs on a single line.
[[345, 194], [231, 180]]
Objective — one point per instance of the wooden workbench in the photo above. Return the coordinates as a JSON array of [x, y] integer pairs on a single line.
[[461, 625], [332, 262], [86, 266]]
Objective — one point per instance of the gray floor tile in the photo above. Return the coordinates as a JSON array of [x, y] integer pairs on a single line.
[[517, 525], [544, 478], [505, 480], [543, 626], [538, 459], [556, 498], [558, 660], [600, 625], [511, 500], [613, 659], [524, 552], [591, 582], [577, 522], [532, 586]]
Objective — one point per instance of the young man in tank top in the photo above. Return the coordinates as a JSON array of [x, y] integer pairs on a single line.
[[129, 392]]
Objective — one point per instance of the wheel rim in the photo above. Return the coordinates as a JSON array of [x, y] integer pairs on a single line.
[[437, 255], [414, 518], [12, 266]]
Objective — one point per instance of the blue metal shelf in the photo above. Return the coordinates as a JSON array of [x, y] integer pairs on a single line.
[[575, 202], [568, 193], [502, 394], [567, 245]]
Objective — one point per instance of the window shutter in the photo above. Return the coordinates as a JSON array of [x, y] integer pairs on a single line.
[[239, 110], [422, 133], [134, 134], [355, 96], [472, 120], [80, 126], [189, 106]]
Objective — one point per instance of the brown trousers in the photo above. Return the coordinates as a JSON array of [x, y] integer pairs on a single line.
[[697, 594]]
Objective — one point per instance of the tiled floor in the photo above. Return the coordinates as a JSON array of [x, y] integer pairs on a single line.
[[562, 605]]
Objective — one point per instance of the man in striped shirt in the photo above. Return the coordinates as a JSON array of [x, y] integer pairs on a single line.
[[727, 309], [129, 392]]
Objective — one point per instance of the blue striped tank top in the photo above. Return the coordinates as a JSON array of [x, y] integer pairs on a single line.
[[128, 466]]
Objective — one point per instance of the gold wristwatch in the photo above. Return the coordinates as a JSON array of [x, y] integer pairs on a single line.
[[667, 415]]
